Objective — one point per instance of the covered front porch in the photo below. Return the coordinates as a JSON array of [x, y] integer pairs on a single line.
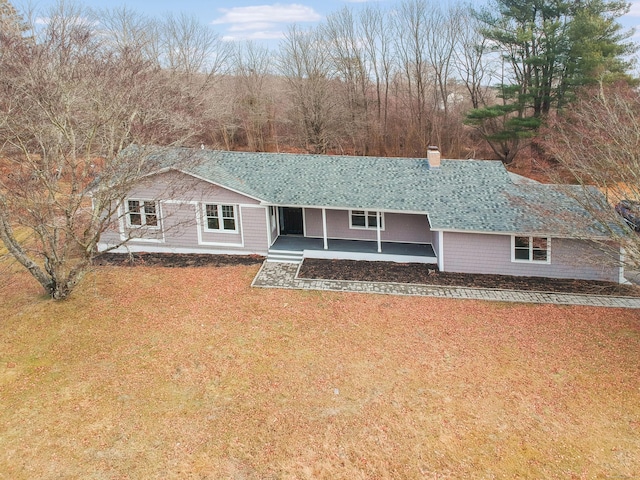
[[298, 247]]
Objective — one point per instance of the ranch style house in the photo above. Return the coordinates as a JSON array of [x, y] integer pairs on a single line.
[[468, 216]]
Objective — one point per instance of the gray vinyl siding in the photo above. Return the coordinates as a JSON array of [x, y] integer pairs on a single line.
[[251, 237], [179, 225], [491, 254], [254, 223], [111, 235], [181, 201], [178, 186], [404, 227], [313, 222], [398, 227]]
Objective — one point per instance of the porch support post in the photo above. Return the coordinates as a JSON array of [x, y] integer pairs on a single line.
[[324, 229], [378, 231], [269, 232], [440, 252]]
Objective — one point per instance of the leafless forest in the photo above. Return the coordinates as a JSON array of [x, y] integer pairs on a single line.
[[365, 83], [376, 80], [372, 81]]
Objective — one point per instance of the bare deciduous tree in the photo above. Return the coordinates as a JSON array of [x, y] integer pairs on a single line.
[[442, 41], [190, 47], [378, 43], [70, 103], [254, 105], [410, 23], [596, 141], [127, 32], [343, 33], [472, 64], [11, 22], [304, 62]]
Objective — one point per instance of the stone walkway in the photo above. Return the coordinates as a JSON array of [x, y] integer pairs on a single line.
[[284, 275]]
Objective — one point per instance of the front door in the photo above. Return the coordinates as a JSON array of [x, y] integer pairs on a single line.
[[291, 222]]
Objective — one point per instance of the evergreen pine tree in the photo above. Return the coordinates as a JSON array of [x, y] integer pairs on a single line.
[[549, 49]]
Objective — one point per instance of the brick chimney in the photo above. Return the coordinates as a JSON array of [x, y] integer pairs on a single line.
[[433, 156]]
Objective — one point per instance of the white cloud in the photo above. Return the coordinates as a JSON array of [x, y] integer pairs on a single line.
[[261, 22], [243, 27], [259, 35], [276, 13], [635, 10]]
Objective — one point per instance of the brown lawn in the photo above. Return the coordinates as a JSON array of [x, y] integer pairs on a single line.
[[152, 372]]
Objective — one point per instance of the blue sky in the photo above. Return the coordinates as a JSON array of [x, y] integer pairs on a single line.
[[256, 19], [232, 19]]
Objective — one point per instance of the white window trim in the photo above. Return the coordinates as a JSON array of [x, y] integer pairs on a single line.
[[221, 228], [143, 215], [530, 260], [366, 216]]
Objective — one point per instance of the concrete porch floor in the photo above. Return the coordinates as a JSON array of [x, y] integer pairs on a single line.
[[300, 243]]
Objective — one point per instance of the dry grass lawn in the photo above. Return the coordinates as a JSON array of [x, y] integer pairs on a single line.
[[190, 373]]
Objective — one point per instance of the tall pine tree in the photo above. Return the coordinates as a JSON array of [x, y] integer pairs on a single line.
[[549, 48]]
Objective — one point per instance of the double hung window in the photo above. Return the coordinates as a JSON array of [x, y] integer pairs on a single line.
[[531, 249], [142, 213], [220, 217], [366, 219]]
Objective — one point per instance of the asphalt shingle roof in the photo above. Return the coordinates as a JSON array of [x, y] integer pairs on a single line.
[[464, 195]]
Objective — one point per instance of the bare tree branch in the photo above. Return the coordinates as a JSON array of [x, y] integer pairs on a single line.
[[71, 101], [596, 141]]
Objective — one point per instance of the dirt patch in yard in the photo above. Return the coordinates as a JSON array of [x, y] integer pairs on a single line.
[[378, 272]]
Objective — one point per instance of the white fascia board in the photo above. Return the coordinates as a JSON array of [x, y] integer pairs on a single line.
[[524, 234], [320, 207], [429, 222]]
